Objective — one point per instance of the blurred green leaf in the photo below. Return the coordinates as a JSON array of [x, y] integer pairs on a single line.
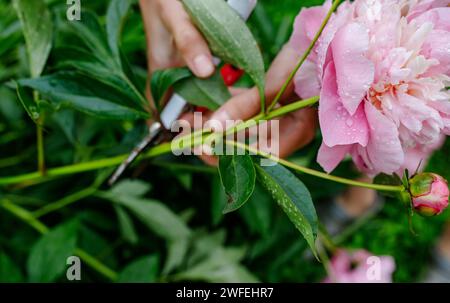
[[293, 197], [69, 89], [37, 28], [155, 215], [228, 37], [126, 225], [210, 93], [9, 271], [257, 212], [115, 19], [221, 266], [47, 259], [238, 176], [143, 270], [218, 200], [135, 188]]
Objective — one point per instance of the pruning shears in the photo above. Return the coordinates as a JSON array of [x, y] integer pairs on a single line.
[[176, 106]]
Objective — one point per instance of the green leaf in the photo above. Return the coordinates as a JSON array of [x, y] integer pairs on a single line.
[[9, 271], [228, 37], [135, 188], [238, 179], [155, 215], [37, 28], [162, 80], [126, 225], [115, 20], [293, 197], [218, 200], [176, 252], [220, 266], [143, 270], [47, 259], [257, 212], [210, 93], [90, 31], [31, 107], [72, 90]]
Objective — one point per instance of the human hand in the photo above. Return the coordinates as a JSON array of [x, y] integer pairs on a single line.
[[295, 129], [173, 40]]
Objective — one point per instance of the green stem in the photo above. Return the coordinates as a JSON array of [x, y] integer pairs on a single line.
[[193, 139], [304, 57], [97, 265], [24, 215], [315, 173], [40, 147], [51, 207], [28, 218]]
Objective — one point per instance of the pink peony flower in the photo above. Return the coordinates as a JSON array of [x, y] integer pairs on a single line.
[[360, 267], [381, 68], [429, 193]]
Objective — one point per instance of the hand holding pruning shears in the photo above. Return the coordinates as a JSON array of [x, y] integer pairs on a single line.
[[174, 41]]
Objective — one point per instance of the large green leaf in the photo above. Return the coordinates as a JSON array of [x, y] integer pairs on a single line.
[[38, 32], [73, 90], [293, 197], [210, 93], [47, 259], [9, 271], [228, 37], [143, 270], [115, 20], [238, 176]]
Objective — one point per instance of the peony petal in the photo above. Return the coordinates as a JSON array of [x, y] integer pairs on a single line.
[[384, 148], [306, 25], [437, 46], [337, 125], [330, 157], [306, 81], [323, 44], [439, 17], [355, 73]]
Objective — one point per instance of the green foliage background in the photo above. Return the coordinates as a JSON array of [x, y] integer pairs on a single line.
[[168, 218]]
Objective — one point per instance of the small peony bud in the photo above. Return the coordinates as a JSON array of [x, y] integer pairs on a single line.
[[429, 193]]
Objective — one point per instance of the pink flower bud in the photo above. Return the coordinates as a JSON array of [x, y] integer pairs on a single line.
[[429, 193]]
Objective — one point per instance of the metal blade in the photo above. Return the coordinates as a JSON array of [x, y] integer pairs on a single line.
[[154, 131]]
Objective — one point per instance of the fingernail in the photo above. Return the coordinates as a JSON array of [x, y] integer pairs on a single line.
[[203, 66]]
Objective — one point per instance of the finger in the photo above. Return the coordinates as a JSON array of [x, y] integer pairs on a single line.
[[246, 105], [296, 131], [160, 50], [188, 40]]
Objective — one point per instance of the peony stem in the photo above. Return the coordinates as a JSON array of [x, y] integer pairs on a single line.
[[193, 139], [312, 172], [304, 57]]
